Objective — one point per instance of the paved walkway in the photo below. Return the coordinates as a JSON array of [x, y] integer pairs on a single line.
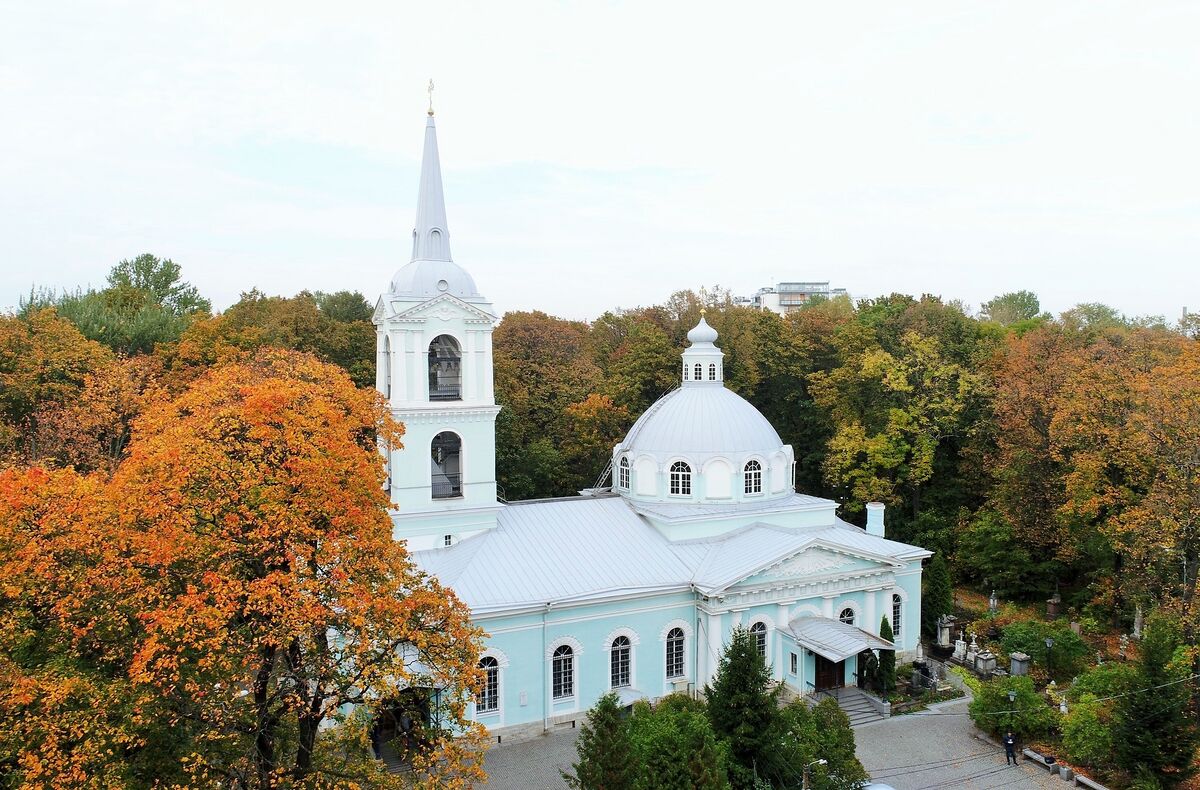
[[941, 749], [531, 765]]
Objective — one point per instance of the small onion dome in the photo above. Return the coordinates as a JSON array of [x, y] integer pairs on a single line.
[[702, 333]]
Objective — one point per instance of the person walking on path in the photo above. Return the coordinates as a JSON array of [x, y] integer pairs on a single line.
[[1010, 748]]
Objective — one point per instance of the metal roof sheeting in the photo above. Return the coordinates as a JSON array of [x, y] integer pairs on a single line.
[[590, 548], [834, 639]]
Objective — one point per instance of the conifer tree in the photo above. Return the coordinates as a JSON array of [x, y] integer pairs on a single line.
[[605, 751], [743, 706], [938, 596], [1154, 732], [886, 674]]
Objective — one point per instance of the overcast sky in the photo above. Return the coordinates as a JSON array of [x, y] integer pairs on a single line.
[[598, 155]]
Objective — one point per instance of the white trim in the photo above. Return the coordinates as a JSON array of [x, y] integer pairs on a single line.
[[575, 644], [853, 606], [804, 608], [688, 645], [901, 592], [621, 631], [496, 653], [688, 631]]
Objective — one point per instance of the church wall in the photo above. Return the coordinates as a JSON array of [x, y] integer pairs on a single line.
[[526, 693]]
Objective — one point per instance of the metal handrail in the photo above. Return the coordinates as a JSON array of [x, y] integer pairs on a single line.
[[447, 486]]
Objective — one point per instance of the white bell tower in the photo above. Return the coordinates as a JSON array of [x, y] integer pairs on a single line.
[[434, 346]]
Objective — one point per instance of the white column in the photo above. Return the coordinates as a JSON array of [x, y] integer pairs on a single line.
[[714, 646], [869, 614], [396, 363], [410, 366], [781, 623], [828, 606], [468, 368], [485, 375]]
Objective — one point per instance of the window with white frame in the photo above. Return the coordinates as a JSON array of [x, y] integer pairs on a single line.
[[675, 653], [896, 607], [712, 371], [753, 475], [795, 663], [759, 632], [447, 540], [619, 662], [488, 699], [698, 372], [681, 479], [847, 616], [564, 672], [623, 474]]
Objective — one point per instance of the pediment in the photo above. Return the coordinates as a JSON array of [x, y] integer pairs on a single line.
[[814, 562], [380, 311], [445, 308]]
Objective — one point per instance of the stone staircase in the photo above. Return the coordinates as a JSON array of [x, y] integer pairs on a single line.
[[855, 703]]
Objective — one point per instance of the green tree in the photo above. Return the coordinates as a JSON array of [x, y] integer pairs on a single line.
[[804, 735], [145, 304], [1155, 732], [605, 750], [937, 597], [344, 306], [742, 706], [1028, 717], [674, 746], [886, 674], [1087, 732], [1012, 308]]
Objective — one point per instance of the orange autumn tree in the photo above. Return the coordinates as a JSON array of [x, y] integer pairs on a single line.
[[270, 600]]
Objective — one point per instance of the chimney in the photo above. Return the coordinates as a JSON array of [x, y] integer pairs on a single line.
[[875, 518]]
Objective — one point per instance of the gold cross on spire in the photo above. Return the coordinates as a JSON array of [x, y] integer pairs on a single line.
[[430, 91]]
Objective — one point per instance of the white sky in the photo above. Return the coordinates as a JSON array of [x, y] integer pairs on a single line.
[[605, 154]]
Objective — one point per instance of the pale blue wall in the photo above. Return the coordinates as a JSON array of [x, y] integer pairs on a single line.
[[521, 641]]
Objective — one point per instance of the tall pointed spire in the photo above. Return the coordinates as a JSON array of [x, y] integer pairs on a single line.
[[431, 236]]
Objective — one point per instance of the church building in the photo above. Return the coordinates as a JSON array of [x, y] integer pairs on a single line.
[[635, 588]]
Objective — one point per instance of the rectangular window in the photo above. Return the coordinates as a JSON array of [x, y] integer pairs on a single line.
[[793, 663], [620, 666], [447, 540], [896, 616], [624, 478]]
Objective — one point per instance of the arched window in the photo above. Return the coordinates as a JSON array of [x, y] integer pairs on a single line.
[[564, 672], [753, 475], [712, 371], [698, 372], [681, 479], [675, 653], [489, 695], [847, 616], [387, 367], [759, 632], [896, 607], [445, 369], [623, 474], [446, 465], [619, 662], [686, 371]]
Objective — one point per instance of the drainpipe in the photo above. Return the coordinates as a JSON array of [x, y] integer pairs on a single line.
[[545, 676]]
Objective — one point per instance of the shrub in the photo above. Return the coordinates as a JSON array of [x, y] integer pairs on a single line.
[[1066, 659], [1030, 716], [1087, 732], [1103, 680]]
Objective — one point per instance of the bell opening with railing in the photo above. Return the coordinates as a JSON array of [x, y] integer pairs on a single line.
[[445, 369], [446, 466]]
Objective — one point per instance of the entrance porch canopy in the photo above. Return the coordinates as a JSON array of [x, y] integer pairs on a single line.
[[834, 639]]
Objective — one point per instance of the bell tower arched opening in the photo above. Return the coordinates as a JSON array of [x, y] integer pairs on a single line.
[[446, 466], [445, 369]]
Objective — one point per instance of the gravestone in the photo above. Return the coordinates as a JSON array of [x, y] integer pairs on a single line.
[[985, 662], [1019, 664], [960, 649]]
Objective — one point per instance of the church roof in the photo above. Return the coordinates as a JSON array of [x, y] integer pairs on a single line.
[[701, 422], [592, 548], [432, 271]]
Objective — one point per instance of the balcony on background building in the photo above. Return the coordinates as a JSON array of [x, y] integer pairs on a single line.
[[447, 486]]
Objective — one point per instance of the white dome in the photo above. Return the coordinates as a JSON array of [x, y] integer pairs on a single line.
[[702, 333], [425, 279], [701, 422]]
